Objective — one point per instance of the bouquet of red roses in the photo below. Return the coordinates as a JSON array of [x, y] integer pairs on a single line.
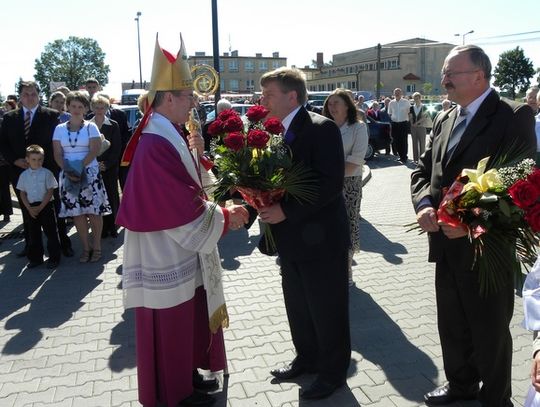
[[500, 208], [253, 159]]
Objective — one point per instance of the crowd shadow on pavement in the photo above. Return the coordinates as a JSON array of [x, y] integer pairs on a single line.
[[379, 339], [372, 240], [58, 298]]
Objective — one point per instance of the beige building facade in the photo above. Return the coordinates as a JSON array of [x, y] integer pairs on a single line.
[[413, 65], [240, 74]]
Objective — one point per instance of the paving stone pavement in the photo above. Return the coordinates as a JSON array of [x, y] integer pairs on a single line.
[[66, 341]]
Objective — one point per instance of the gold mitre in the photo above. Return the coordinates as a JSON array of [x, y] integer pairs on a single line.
[[169, 72]]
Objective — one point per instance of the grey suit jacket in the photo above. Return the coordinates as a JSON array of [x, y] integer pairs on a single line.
[[496, 127]]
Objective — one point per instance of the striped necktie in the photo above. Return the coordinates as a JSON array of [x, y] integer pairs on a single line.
[[457, 132], [27, 123]]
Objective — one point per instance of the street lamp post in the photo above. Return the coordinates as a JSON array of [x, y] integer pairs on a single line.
[[463, 36], [139, 44]]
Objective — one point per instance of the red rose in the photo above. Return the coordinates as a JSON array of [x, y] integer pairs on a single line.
[[524, 193], [273, 125], [534, 177], [233, 124], [532, 217], [227, 114], [258, 138], [215, 128], [234, 141], [257, 113]]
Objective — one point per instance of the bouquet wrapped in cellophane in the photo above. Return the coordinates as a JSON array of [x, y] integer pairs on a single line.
[[253, 159], [500, 209]]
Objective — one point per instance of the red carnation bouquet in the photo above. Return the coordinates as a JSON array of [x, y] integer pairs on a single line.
[[500, 208], [252, 158]]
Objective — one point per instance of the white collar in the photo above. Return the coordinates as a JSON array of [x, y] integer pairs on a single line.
[[473, 107], [289, 118], [32, 111], [106, 121]]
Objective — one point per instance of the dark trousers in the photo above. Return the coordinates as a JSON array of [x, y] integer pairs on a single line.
[[110, 180], [6, 207], [317, 303], [400, 134], [474, 332], [45, 220]]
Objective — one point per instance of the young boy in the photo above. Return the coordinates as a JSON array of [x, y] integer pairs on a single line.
[[37, 185]]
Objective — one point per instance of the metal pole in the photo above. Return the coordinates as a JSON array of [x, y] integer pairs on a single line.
[[139, 45], [378, 93], [215, 37]]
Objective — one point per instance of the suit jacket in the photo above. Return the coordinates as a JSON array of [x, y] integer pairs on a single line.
[[111, 157], [13, 143], [491, 132], [315, 229], [423, 119]]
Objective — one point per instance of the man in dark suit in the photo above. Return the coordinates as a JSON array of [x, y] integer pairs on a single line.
[[473, 328], [312, 240], [31, 124]]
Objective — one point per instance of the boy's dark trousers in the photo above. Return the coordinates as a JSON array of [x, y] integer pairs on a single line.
[[46, 219]]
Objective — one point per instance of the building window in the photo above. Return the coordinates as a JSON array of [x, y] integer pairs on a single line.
[[249, 66], [222, 86], [250, 84], [275, 64], [263, 66], [411, 88], [394, 64], [233, 65], [221, 65], [234, 85]]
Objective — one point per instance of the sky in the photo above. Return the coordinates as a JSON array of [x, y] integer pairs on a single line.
[[296, 29]]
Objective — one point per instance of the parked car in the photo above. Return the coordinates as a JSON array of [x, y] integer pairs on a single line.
[[241, 108], [380, 136], [130, 96], [133, 114]]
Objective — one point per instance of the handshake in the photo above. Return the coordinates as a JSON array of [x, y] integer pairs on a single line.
[[238, 216]]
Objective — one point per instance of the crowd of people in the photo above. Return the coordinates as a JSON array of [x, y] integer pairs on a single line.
[[81, 145], [64, 162]]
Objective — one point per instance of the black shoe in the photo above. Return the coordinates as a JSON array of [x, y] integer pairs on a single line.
[[294, 369], [198, 399], [52, 264], [114, 233], [34, 264], [199, 383], [68, 252], [6, 219], [22, 253], [444, 395], [319, 389]]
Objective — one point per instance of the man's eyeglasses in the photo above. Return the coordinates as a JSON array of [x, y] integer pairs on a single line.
[[450, 74]]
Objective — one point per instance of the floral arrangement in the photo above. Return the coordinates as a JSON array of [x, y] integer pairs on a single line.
[[253, 159], [500, 208]]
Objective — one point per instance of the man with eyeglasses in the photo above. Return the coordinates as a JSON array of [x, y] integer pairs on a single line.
[[473, 328], [171, 271]]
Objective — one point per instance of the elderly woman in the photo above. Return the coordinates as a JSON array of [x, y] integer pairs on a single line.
[[420, 121], [109, 160], [339, 107], [76, 145]]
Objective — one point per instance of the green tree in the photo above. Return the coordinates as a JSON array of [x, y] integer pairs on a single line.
[[71, 61], [513, 71], [427, 88]]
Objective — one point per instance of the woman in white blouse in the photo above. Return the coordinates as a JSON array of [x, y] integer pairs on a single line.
[[76, 144], [339, 106]]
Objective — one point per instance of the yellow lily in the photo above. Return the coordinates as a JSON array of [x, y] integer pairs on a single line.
[[480, 180]]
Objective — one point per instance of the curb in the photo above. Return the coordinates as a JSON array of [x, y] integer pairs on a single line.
[[366, 175]]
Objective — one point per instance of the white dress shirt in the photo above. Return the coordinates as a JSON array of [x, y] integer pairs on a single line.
[[399, 110]]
